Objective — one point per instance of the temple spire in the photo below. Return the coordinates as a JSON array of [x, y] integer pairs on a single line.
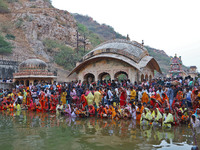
[[128, 38]]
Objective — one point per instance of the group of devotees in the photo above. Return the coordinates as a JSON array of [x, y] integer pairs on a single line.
[[161, 102]]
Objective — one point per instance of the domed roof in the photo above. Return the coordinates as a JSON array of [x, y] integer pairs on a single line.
[[33, 63], [130, 49]]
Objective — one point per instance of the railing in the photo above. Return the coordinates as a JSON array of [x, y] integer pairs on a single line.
[[33, 73]]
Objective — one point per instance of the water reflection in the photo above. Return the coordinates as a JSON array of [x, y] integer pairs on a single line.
[[29, 130]]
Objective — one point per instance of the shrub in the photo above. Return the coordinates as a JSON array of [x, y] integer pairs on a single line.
[[5, 47], [19, 23], [11, 1], [3, 7], [10, 37], [29, 18], [50, 45], [6, 26], [65, 56], [33, 6], [94, 38]]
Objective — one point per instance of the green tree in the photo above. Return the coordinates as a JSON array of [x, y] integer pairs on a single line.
[[3, 7], [64, 56], [5, 47]]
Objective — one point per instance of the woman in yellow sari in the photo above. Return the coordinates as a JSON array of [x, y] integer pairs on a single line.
[[90, 98], [63, 97]]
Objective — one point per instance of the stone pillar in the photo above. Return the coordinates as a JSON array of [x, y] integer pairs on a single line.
[[31, 81], [112, 76]]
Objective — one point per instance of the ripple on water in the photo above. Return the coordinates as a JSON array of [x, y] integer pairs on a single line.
[[41, 131]]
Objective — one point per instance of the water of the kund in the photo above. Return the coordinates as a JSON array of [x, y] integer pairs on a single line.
[[42, 131]]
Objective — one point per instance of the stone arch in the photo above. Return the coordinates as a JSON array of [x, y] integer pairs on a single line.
[[146, 77], [27, 83], [142, 77], [17, 82], [22, 82], [89, 77], [35, 82], [121, 75], [150, 78], [104, 76]]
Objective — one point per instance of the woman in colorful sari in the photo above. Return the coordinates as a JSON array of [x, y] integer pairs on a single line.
[[90, 98], [139, 111], [123, 96], [91, 111], [157, 117], [197, 113], [74, 96], [194, 97], [68, 110], [24, 96], [167, 120], [145, 98], [145, 117], [194, 121], [179, 96], [83, 100], [184, 113], [63, 97]]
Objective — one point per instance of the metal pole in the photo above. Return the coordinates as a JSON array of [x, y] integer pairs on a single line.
[[48, 102], [77, 40], [84, 43]]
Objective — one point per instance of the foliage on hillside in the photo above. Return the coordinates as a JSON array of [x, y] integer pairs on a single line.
[[104, 31], [3, 7], [63, 55], [162, 58], [5, 47], [98, 33], [93, 38]]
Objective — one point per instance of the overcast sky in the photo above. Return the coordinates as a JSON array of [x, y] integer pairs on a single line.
[[170, 25]]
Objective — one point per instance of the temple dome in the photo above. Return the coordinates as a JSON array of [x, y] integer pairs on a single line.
[[130, 49], [130, 52], [33, 64]]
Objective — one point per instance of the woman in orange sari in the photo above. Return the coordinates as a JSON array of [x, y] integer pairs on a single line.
[[179, 96], [28, 97], [158, 98], [83, 100], [145, 98], [139, 111]]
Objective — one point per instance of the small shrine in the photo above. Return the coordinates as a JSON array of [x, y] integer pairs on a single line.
[[176, 67], [32, 71]]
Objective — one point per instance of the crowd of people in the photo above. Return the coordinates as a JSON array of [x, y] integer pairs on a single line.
[[160, 102]]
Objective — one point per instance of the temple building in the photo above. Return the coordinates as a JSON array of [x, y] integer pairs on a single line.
[[33, 71], [192, 72], [176, 67], [177, 71], [115, 59]]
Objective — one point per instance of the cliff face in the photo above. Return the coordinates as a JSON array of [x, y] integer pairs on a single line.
[[104, 31], [29, 23], [33, 21]]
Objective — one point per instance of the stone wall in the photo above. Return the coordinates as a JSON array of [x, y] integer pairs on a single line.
[[109, 66], [7, 68], [6, 85]]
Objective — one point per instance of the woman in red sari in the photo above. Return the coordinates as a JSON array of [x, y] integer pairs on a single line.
[[179, 96], [83, 100], [123, 96]]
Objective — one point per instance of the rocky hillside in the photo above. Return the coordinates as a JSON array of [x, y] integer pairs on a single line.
[[31, 26], [162, 58], [35, 28], [104, 31], [33, 21]]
